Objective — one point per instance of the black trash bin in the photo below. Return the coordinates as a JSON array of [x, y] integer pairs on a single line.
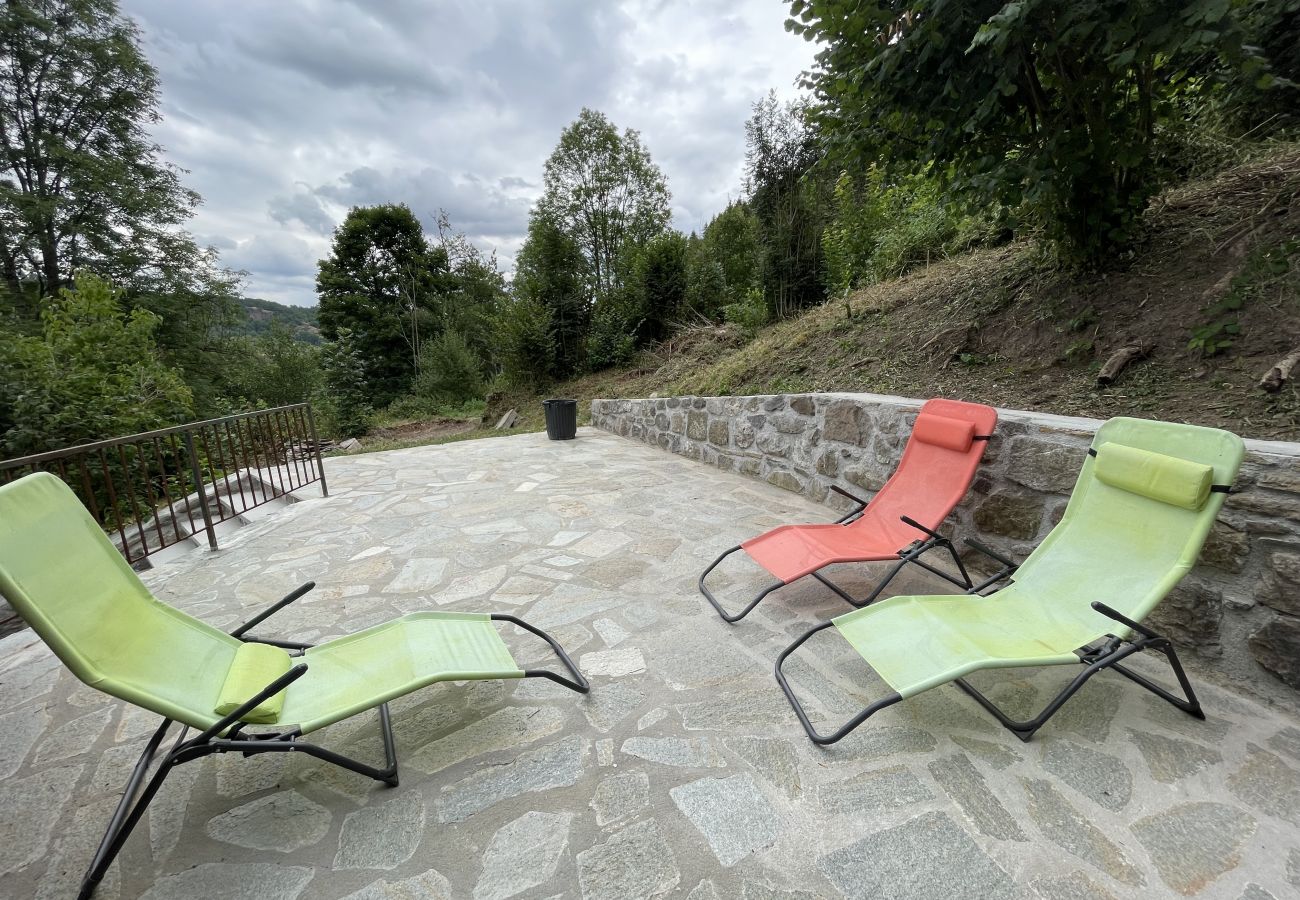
[[561, 419]]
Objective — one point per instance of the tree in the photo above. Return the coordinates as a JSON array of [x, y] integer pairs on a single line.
[[82, 187], [275, 369], [550, 275], [81, 184], [449, 372], [475, 292], [1053, 104], [780, 153], [603, 191], [732, 239], [95, 372], [662, 271], [384, 283]]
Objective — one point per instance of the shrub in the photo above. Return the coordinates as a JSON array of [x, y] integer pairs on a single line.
[[344, 403], [449, 370], [524, 342], [610, 342], [750, 313]]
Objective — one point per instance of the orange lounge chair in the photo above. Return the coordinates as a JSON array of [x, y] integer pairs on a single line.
[[898, 523]]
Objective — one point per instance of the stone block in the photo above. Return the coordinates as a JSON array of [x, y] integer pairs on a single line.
[[846, 421], [697, 425], [719, 432], [1043, 466], [803, 405], [865, 478], [1010, 513], [789, 423], [1276, 647], [828, 463], [772, 404], [773, 444], [1280, 586], [785, 480], [744, 435], [1191, 616], [1226, 548]]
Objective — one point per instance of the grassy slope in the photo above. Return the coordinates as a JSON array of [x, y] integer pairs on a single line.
[[1004, 326]]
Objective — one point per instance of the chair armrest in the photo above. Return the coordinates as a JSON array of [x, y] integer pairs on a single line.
[[1123, 619], [1008, 566], [908, 520], [272, 610], [859, 504]]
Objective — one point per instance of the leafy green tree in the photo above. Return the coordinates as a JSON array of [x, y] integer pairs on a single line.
[[275, 368], [550, 273], [386, 285], [94, 373], [706, 284], [449, 370], [662, 286], [82, 184], [474, 294], [525, 345], [780, 154], [1049, 103], [603, 191], [732, 239], [344, 403]]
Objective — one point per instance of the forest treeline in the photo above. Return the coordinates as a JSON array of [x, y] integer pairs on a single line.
[[923, 129]]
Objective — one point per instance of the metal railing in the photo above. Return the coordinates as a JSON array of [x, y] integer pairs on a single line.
[[160, 488]]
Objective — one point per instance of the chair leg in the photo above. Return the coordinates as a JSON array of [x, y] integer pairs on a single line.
[[813, 735], [1025, 730], [708, 595], [577, 683], [388, 774], [128, 812]]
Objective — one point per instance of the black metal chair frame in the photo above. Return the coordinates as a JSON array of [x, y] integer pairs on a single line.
[[227, 736], [1110, 652], [909, 554]]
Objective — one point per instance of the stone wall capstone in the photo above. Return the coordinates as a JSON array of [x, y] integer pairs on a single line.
[[1237, 612]]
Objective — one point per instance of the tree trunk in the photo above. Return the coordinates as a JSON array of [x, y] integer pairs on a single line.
[[1119, 360], [1281, 371]]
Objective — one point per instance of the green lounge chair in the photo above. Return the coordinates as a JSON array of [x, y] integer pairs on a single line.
[[61, 574], [1141, 509]]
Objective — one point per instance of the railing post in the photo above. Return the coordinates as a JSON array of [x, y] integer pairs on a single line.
[[197, 473], [315, 442]]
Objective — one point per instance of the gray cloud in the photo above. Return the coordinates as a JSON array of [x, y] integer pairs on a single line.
[[287, 113]]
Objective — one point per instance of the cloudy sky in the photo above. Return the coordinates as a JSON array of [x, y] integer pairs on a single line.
[[287, 112]]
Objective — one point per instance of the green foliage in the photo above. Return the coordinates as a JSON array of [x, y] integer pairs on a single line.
[[751, 313], [660, 273], [344, 406], [449, 370], [1267, 270], [275, 369], [1047, 104], [95, 372], [385, 284], [610, 340], [706, 285], [525, 345], [474, 292], [732, 239], [257, 317], [83, 186], [787, 201], [549, 275], [604, 192]]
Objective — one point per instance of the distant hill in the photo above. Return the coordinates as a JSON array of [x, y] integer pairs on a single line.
[[260, 314]]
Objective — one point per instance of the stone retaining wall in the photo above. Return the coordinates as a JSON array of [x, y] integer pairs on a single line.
[[1238, 611]]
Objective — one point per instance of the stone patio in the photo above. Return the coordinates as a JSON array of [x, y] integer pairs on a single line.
[[684, 772]]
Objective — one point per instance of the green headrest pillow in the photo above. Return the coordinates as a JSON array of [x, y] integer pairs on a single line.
[[253, 668], [1168, 479]]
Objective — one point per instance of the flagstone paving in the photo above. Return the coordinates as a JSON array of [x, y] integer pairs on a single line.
[[684, 773]]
